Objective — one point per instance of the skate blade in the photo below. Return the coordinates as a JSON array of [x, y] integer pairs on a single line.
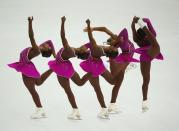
[[113, 112], [144, 110], [104, 117], [41, 117], [74, 118]]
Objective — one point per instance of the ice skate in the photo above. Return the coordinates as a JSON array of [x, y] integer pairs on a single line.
[[75, 115], [39, 113]]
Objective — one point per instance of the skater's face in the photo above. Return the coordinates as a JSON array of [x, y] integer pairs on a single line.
[[45, 50], [141, 34], [111, 51], [115, 41]]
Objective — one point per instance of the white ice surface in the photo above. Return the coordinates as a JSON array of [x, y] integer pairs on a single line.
[[16, 104]]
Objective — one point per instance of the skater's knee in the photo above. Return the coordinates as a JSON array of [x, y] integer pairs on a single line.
[[117, 79], [146, 80], [38, 83], [33, 92], [97, 90], [70, 95], [117, 86], [112, 81], [79, 83], [68, 91]]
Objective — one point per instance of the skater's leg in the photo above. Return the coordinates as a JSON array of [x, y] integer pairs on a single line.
[[109, 77], [154, 49], [94, 81], [43, 77], [64, 82], [80, 81], [145, 71], [30, 85], [119, 81]]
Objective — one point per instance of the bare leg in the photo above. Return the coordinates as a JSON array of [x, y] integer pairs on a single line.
[[95, 83], [119, 81], [64, 82], [113, 67], [155, 48], [153, 51], [30, 84], [43, 77], [109, 77], [80, 81], [145, 70]]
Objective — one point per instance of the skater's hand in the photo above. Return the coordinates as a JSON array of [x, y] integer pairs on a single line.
[[63, 18], [30, 19], [135, 19], [88, 21]]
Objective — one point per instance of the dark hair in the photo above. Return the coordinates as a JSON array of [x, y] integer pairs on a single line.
[[109, 40], [47, 53], [141, 33], [82, 56], [112, 54]]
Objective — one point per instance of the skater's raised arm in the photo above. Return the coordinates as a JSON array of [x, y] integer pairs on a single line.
[[90, 35], [31, 33], [64, 40], [102, 29], [134, 32]]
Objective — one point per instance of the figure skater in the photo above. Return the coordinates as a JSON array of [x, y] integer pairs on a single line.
[[118, 64], [30, 75], [65, 71], [95, 66], [145, 37]]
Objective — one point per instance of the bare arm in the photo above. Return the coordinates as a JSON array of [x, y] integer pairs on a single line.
[[90, 35], [104, 29], [31, 33], [134, 32], [64, 40]]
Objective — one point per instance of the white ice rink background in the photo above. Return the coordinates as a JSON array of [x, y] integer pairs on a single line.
[[16, 104]]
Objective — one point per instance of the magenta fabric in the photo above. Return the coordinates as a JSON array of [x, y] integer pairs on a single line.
[[62, 67], [125, 57], [144, 57], [94, 66], [127, 48], [150, 26], [25, 66]]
